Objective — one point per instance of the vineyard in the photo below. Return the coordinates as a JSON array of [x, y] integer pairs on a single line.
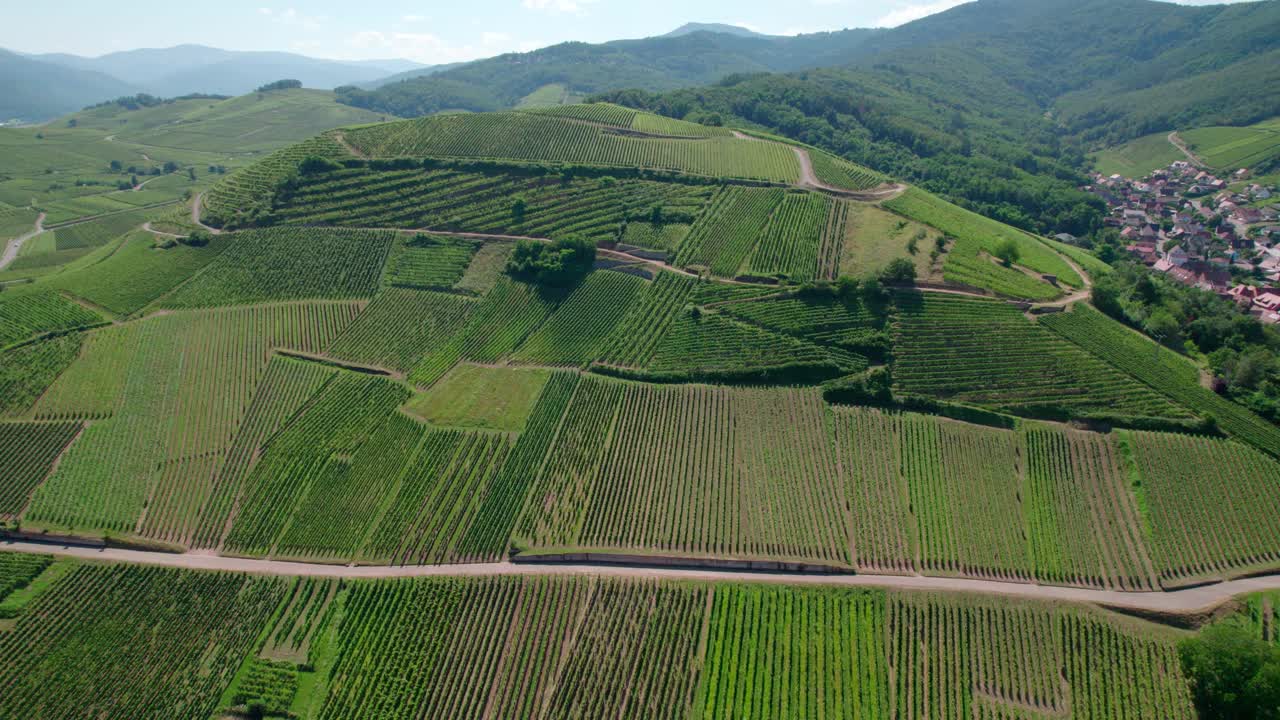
[[985, 352], [240, 195], [289, 264], [400, 326], [747, 483], [1084, 525], [647, 321], [1211, 506], [16, 572], [428, 262], [350, 376], [27, 371], [169, 393], [25, 314], [849, 324], [726, 233], [789, 246], [47, 251], [137, 273], [1163, 370], [541, 137], [507, 315], [320, 449], [27, 453], [944, 497], [583, 323], [168, 643], [117, 641], [483, 202], [841, 173], [711, 346]]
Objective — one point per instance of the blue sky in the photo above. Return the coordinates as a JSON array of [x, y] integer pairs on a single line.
[[428, 31]]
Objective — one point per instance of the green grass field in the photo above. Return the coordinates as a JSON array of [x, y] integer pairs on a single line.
[[971, 260], [1137, 158], [480, 397], [871, 237], [1231, 148]]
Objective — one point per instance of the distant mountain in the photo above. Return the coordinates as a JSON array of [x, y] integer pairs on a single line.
[[693, 27], [185, 69], [391, 66], [661, 63], [33, 90], [417, 72], [994, 103]]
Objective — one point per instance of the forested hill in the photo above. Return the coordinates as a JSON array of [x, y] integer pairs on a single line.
[[1082, 59], [994, 102], [655, 64]]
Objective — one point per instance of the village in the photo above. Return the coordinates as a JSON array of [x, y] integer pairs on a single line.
[[1218, 234]]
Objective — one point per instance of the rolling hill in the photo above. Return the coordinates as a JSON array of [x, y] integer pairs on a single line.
[[996, 103], [662, 63], [480, 346]]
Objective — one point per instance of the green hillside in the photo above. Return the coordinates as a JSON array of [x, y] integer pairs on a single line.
[[576, 68], [1137, 158], [478, 347], [160, 152], [1224, 149]]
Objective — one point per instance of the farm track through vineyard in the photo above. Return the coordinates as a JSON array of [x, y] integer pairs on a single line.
[[1195, 601]]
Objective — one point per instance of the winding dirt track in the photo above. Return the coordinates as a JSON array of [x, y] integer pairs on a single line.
[[1181, 602], [195, 214], [1178, 143], [11, 250], [809, 179]]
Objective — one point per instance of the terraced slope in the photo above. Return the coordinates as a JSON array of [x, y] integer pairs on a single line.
[[544, 138]]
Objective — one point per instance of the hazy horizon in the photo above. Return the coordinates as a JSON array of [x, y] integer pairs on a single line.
[[428, 33]]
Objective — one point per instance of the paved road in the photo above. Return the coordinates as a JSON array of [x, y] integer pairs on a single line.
[[11, 250], [1191, 601]]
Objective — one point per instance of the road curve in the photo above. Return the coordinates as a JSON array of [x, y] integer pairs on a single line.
[[14, 245], [809, 179], [196, 204], [1191, 601]]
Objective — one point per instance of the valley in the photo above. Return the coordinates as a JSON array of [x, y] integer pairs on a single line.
[[792, 381]]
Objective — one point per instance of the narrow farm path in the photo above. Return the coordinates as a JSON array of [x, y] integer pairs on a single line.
[[147, 227], [1190, 601], [342, 140], [14, 245], [809, 179], [195, 214], [91, 218], [1182, 146], [1081, 294]]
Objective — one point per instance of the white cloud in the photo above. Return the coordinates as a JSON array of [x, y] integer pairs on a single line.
[[907, 13], [293, 18], [494, 38], [557, 6]]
